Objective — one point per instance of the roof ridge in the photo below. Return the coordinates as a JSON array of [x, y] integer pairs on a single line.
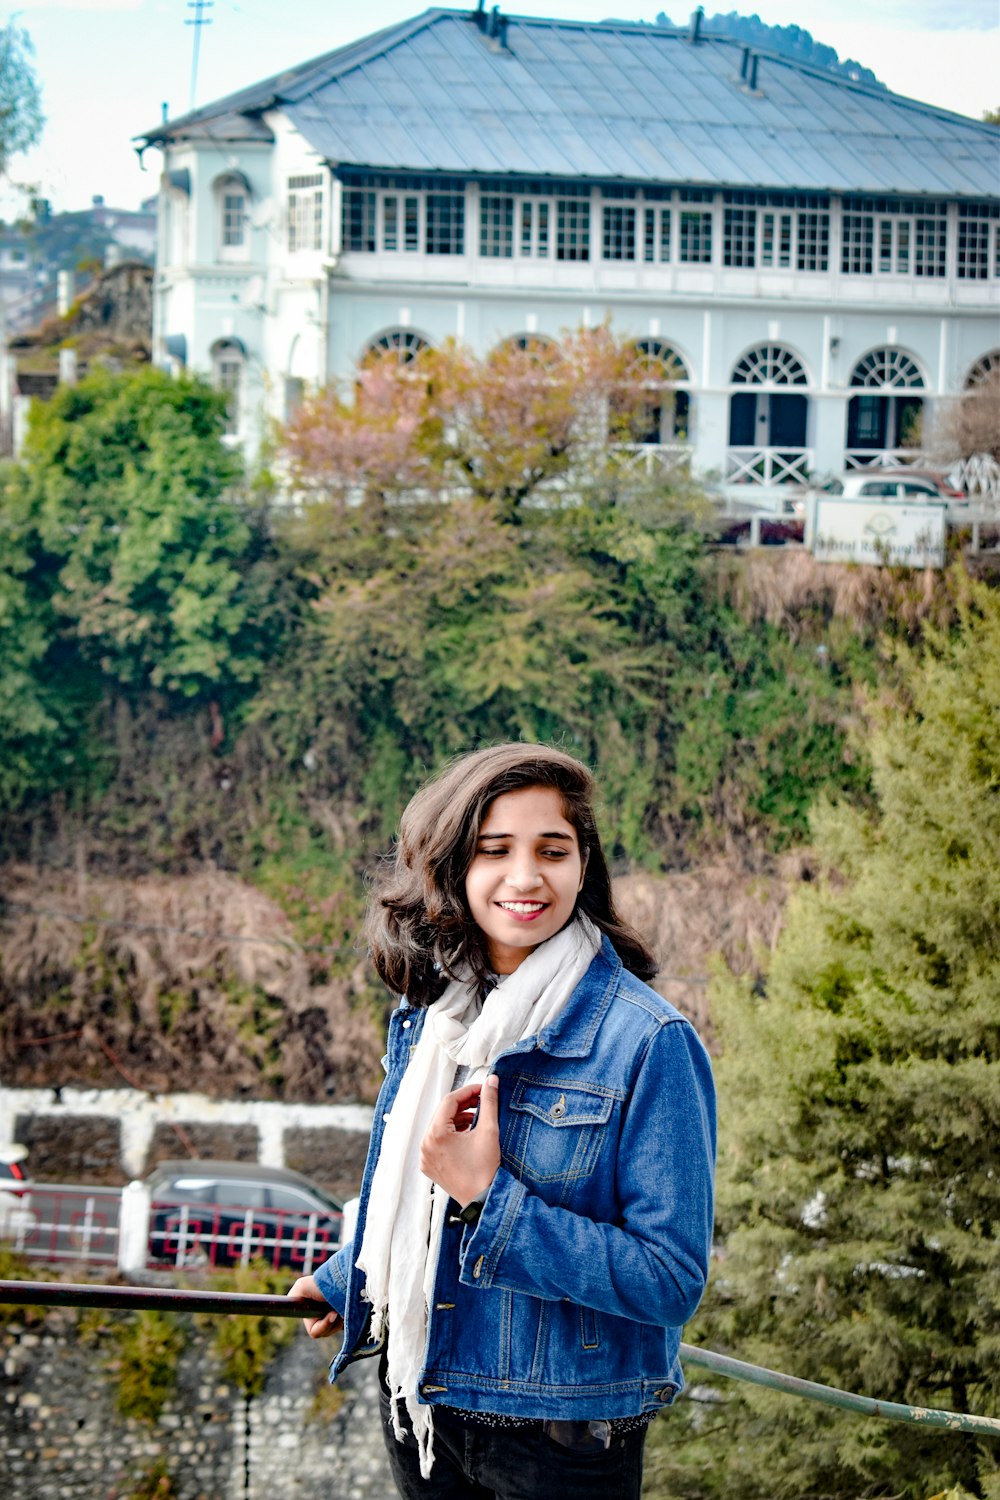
[[257, 97]]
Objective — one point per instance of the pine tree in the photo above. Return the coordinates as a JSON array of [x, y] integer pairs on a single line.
[[859, 1176]]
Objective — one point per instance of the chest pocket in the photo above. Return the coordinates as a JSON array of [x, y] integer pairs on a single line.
[[555, 1129]]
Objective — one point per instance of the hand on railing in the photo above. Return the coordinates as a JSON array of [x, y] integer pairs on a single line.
[[317, 1328]]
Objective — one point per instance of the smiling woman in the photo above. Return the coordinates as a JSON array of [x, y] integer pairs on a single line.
[[546, 1128], [525, 876]]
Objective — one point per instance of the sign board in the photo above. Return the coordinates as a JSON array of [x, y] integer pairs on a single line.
[[877, 531]]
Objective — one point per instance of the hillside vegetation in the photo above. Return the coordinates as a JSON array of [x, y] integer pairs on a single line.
[[789, 41], [212, 708]]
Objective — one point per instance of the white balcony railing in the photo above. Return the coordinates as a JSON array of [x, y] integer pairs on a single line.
[[652, 460], [881, 458], [768, 466]]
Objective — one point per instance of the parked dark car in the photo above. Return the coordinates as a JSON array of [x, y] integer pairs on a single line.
[[226, 1213]]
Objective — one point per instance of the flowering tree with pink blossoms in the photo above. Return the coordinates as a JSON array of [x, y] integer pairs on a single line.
[[447, 423]]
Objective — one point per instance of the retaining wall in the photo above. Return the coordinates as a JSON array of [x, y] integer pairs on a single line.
[[63, 1438]]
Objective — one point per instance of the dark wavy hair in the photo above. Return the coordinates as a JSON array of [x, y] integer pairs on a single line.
[[419, 929]]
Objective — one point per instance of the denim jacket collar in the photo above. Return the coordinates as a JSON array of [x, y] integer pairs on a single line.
[[573, 1031]]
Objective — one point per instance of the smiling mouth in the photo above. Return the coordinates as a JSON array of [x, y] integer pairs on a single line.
[[523, 908]]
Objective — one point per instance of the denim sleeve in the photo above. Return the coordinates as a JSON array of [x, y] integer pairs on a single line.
[[651, 1264], [331, 1278]]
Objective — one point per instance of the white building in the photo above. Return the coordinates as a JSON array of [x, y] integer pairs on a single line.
[[814, 262]]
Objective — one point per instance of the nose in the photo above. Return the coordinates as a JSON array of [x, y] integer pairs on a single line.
[[524, 873]]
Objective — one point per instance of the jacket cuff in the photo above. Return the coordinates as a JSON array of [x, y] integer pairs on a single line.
[[331, 1278], [484, 1243]]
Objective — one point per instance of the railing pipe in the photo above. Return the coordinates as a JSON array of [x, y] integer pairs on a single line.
[[140, 1298], [866, 1406]]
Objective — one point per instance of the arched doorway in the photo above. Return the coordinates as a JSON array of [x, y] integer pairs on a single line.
[[664, 418], [884, 416], [229, 358], [649, 416], [768, 419]]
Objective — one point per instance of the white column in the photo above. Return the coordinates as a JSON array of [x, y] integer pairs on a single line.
[[133, 1228]]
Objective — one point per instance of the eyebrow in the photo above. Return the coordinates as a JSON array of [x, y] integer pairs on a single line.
[[566, 837]]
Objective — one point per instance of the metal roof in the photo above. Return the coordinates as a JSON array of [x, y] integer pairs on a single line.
[[607, 102]]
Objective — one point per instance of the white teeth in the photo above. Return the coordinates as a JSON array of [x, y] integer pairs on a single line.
[[522, 905]]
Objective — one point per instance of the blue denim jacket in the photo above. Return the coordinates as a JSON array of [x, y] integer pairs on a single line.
[[566, 1299]]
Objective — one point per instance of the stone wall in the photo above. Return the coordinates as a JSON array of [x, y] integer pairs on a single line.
[[63, 1438]]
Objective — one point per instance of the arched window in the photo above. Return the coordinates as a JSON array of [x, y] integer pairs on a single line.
[[545, 350], [768, 422], [884, 418], [402, 342], [770, 364], [984, 372], [232, 216], [664, 415], [228, 371], [887, 369]]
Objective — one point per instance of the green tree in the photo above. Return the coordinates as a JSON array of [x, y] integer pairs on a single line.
[[21, 117], [131, 566], [860, 1109], [128, 503]]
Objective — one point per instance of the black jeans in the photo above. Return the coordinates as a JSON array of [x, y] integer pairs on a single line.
[[472, 1462]]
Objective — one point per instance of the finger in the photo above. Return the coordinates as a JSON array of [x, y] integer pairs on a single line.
[[321, 1328], [489, 1103], [451, 1106], [465, 1095]]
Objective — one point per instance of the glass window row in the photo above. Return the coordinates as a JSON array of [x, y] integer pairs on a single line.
[[779, 231]]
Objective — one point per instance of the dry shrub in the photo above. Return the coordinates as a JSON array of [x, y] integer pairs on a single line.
[[790, 590], [156, 985], [720, 909], [970, 426]]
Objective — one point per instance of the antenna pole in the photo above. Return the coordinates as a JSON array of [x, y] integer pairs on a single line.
[[198, 20]]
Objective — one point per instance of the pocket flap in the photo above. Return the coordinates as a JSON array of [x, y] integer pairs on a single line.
[[561, 1103]]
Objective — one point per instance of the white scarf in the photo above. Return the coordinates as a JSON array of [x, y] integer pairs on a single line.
[[402, 1238]]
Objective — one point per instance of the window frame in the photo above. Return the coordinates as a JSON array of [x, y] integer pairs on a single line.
[[396, 214], [229, 364], [305, 212], [894, 237]]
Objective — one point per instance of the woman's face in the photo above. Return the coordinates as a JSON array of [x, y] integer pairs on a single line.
[[525, 875]]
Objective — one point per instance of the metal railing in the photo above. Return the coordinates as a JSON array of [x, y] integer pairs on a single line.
[[65, 1222], [60, 1223], [135, 1299]]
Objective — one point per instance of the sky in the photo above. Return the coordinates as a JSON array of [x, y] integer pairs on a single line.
[[108, 67]]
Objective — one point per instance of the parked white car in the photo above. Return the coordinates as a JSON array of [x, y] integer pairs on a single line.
[[16, 1217], [911, 485]]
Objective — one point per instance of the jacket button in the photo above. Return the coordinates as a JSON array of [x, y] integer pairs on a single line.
[[665, 1394], [477, 1269], [407, 1025]]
